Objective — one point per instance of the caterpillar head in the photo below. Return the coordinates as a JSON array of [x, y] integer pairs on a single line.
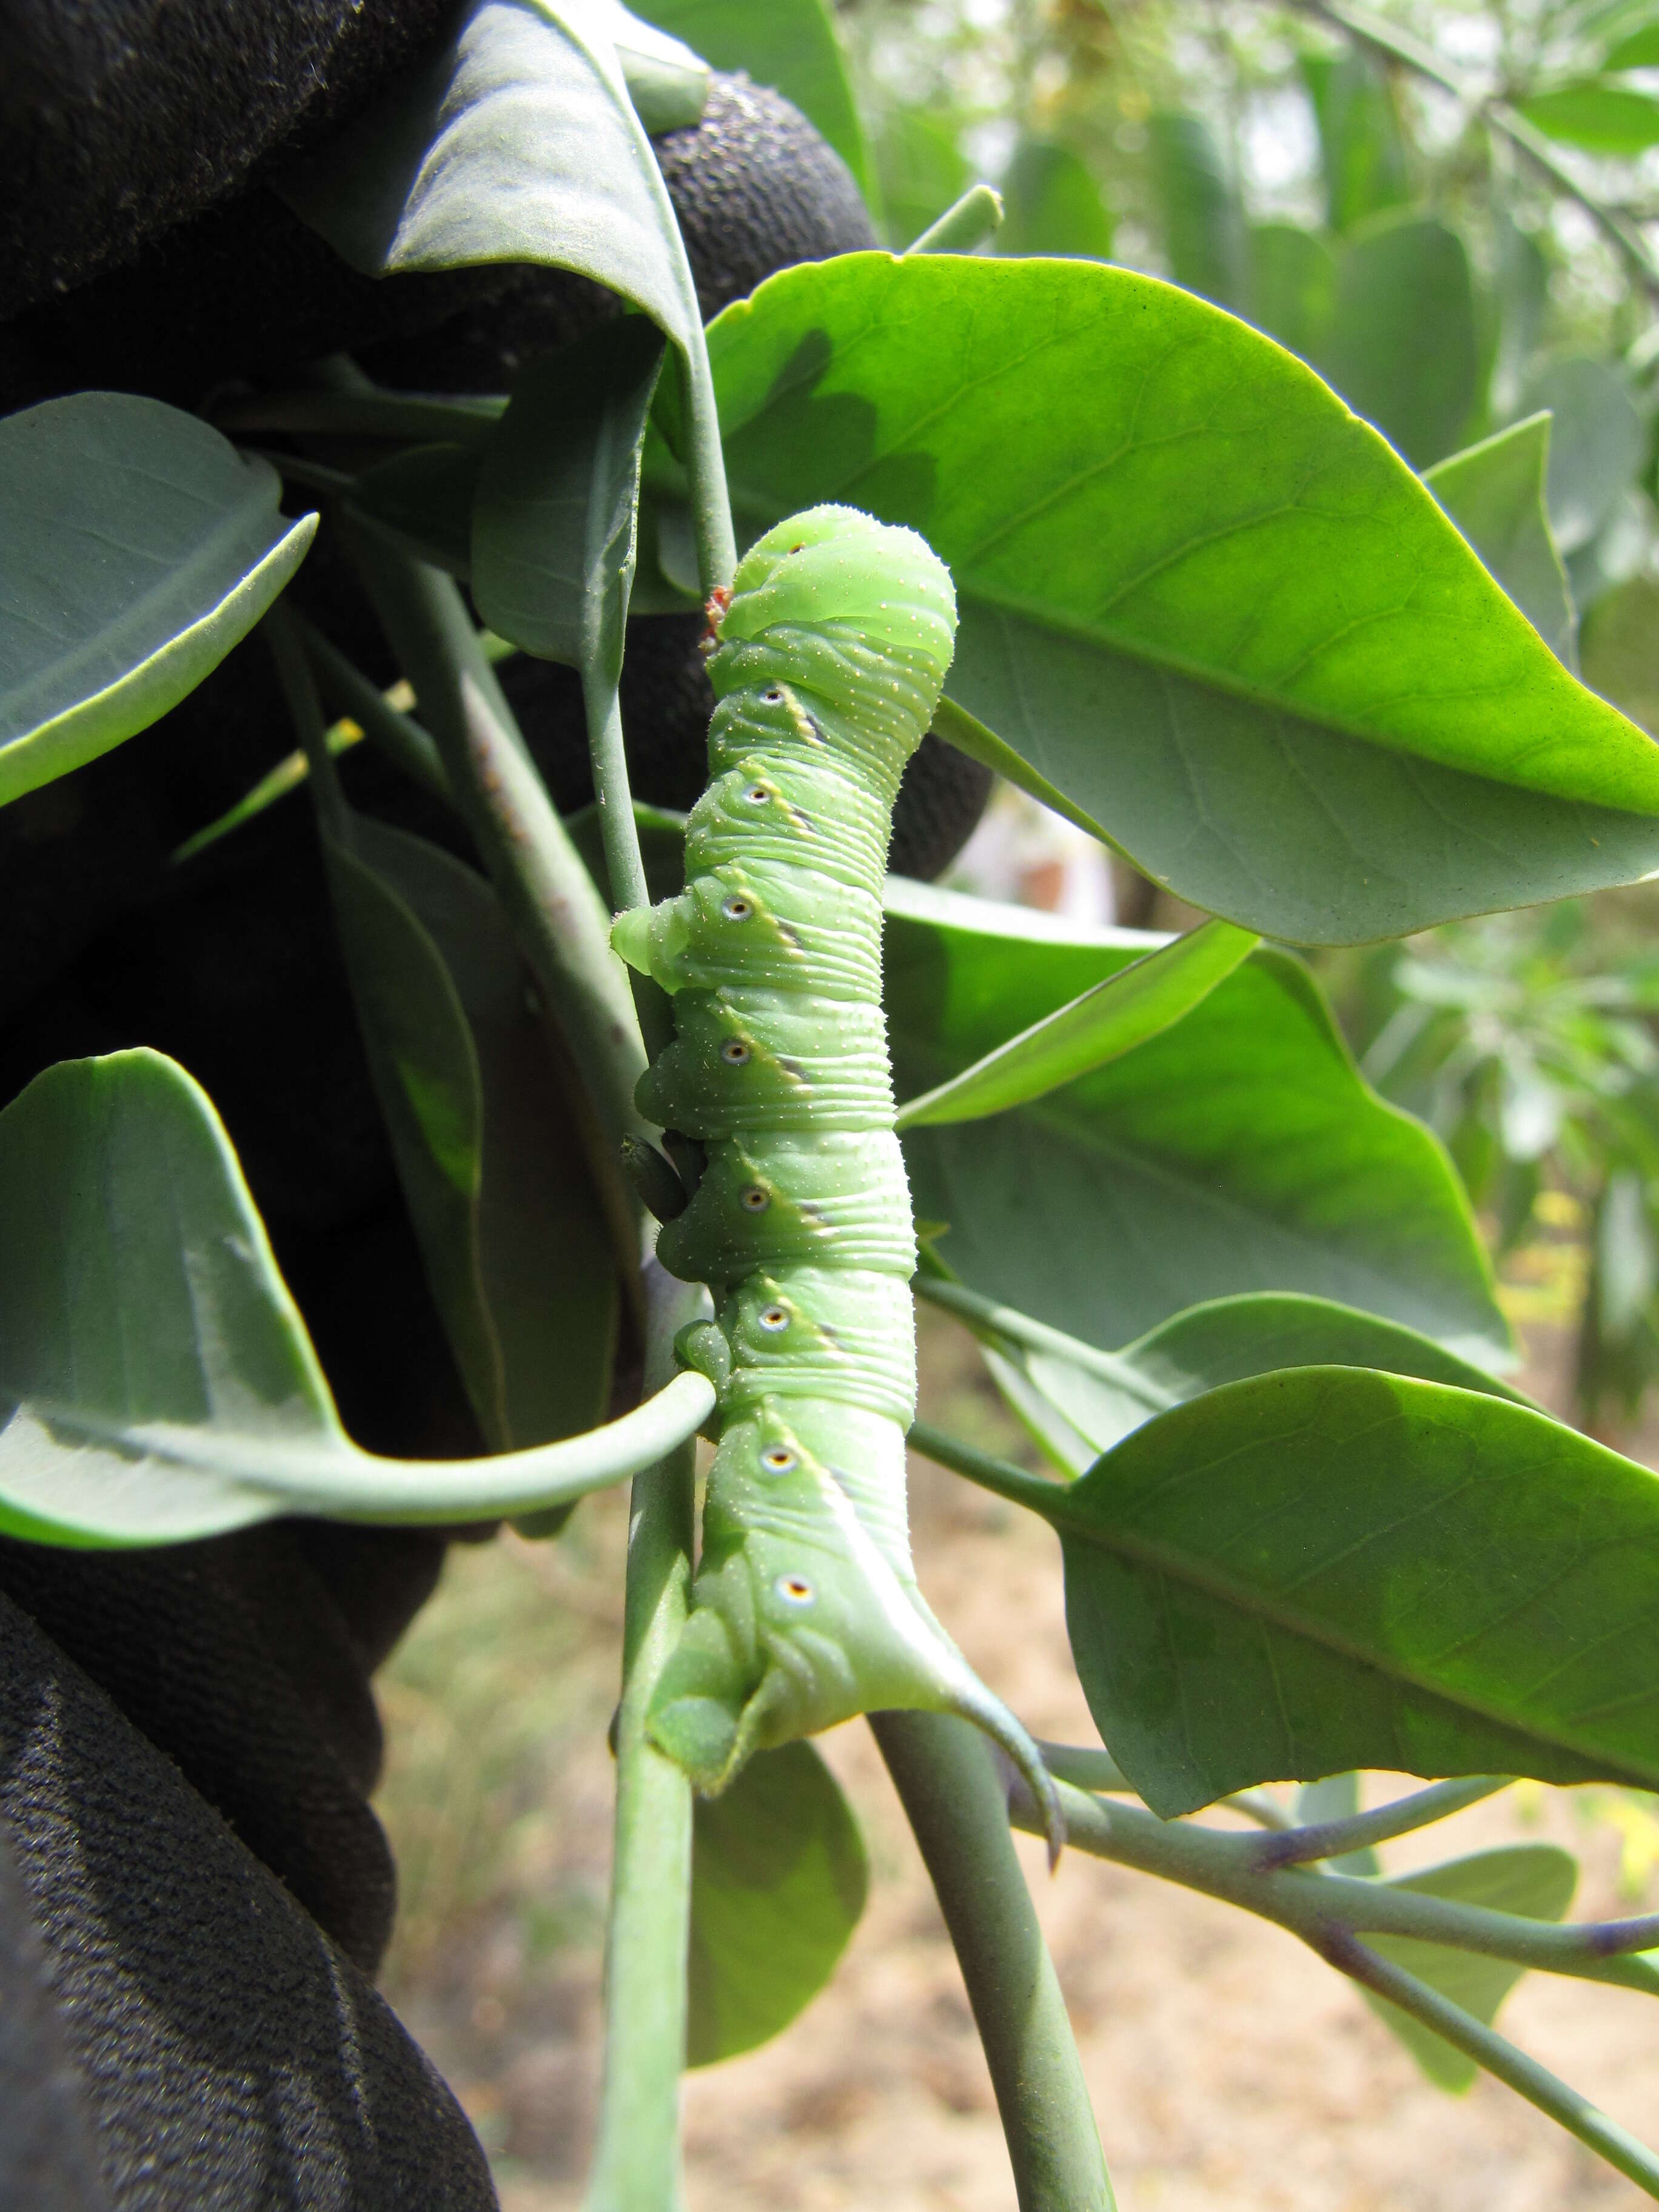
[[833, 565]]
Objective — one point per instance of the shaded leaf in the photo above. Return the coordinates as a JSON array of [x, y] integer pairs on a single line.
[[156, 1382], [779, 1879], [1203, 222], [1367, 739], [1619, 649], [514, 1245], [1494, 492], [1238, 1151], [1109, 1018], [1602, 118], [1402, 347], [1596, 444], [667, 83], [1104, 1399], [792, 46], [921, 172], [554, 527], [425, 495], [1292, 288], [1051, 204], [1535, 1881], [1361, 148], [137, 547], [514, 142], [1327, 1568]]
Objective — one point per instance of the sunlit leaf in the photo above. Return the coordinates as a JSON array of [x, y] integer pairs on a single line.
[[1494, 492]]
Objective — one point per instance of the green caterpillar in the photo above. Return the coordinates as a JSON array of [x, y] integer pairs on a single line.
[[831, 653]]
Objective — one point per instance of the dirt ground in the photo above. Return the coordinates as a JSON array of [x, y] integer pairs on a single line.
[[1228, 2067]]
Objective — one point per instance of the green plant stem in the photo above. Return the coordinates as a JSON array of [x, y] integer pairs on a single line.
[[1395, 44], [947, 1779], [364, 413], [556, 912], [1359, 1832], [624, 863], [1500, 2058], [305, 707], [966, 223], [1033, 1492], [636, 2166], [987, 1318], [349, 692], [711, 503]]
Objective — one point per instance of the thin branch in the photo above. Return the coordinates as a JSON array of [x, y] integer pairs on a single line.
[[1035, 1491], [350, 693], [966, 223], [987, 1318], [1395, 44], [1499, 2057], [949, 1782], [1359, 1831]]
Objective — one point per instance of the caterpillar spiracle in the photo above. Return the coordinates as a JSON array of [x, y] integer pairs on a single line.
[[830, 658]]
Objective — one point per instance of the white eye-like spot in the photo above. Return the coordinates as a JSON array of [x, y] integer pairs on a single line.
[[794, 1589], [753, 1199], [737, 908], [734, 1051], [773, 696], [757, 794], [777, 1459], [775, 1319]]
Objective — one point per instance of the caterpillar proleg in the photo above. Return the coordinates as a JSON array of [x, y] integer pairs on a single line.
[[829, 659]]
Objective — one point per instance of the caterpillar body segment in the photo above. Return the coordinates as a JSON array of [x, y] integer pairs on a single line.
[[830, 655]]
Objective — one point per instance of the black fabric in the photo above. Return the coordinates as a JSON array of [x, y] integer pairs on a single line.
[[119, 119], [224, 2052]]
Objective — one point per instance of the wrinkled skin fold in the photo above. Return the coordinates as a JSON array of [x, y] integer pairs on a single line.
[[829, 663]]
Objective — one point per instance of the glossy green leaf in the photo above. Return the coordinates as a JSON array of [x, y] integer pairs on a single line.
[[1602, 118], [1293, 285], [779, 1877], [790, 45], [1331, 1568], [1402, 348], [1051, 204], [1362, 149], [1619, 649], [1109, 1018], [156, 1382], [1238, 1151], [513, 1242], [514, 142], [137, 547], [1597, 444], [425, 495], [1203, 223], [1104, 1397], [1535, 1881], [554, 528], [1494, 492], [1198, 598]]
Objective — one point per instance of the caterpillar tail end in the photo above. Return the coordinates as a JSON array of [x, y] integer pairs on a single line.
[[989, 1714]]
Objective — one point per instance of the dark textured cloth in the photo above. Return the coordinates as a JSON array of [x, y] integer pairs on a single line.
[[201, 2041]]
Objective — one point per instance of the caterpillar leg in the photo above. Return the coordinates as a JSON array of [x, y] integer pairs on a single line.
[[800, 1621]]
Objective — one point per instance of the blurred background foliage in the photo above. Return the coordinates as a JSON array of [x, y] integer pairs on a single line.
[[1449, 212]]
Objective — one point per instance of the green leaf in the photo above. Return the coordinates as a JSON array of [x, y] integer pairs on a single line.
[[1051, 204], [1203, 223], [1330, 1568], [1109, 1018], [779, 1877], [554, 528], [1619, 649], [1238, 1150], [1533, 1881], [1602, 118], [921, 171], [1293, 285], [156, 1382], [513, 1242], [1362, 150], [790, 45], [1598, 445], [1403, 349], [1104, 1397], [1639, 50], [425, 495], [514, 142], [667, 83], [137, 547], [1198, 598], [1494, 492]]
